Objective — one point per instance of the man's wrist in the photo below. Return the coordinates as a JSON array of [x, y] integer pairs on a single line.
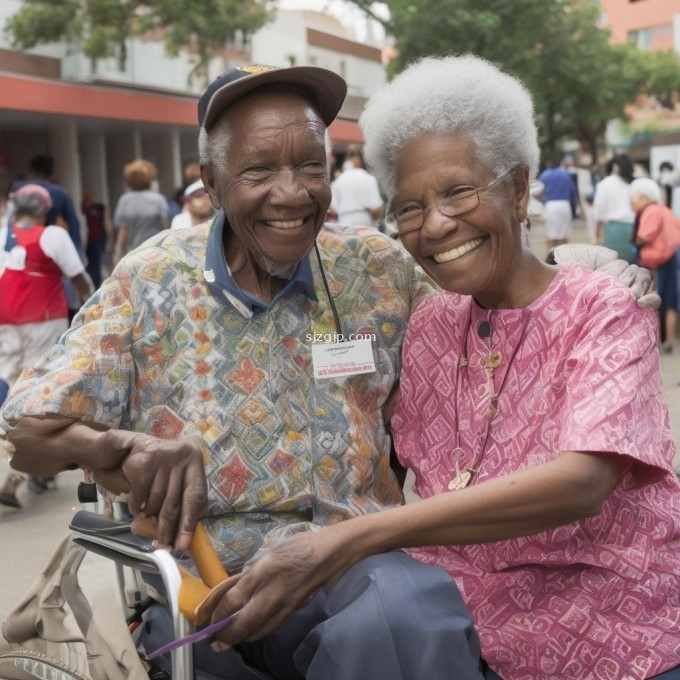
[[81, 444]]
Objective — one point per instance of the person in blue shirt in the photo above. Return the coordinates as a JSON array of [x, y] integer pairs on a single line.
[[62, 213], [561, 202]]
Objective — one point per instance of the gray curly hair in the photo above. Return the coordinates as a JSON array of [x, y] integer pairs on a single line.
[[31, 200], [450, 95], [213, 145]]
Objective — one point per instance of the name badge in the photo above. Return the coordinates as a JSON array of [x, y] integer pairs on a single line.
[[341, 359]]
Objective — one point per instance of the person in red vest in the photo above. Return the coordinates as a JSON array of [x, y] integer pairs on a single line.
[[33, 306]]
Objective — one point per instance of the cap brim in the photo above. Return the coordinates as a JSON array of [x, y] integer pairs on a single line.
[[327, 87]]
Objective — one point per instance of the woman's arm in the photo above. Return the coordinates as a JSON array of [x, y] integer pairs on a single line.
[[571, 488], [597, 236], [83, 286], [121, 243]]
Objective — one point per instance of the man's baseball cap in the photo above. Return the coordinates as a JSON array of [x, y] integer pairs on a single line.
[[327, 88]]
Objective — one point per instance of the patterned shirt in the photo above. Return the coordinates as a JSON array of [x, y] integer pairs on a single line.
[[594, 599], [156, 350]]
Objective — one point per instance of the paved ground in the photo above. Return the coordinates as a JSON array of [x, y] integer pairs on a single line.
[[28, 536]]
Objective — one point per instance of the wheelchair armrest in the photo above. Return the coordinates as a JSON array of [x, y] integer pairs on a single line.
[[115, 531], [114, 540], [113, 552]]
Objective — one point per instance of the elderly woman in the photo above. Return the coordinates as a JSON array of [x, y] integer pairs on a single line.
[[530, 411], [657, 234], [141, 213]]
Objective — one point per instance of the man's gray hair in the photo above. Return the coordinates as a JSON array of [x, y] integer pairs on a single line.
[[213, 145], [449, 95]]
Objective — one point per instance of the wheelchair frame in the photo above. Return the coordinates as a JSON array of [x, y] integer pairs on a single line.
[[113, 539]]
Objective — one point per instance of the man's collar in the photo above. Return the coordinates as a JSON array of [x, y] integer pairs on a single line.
[[221, 282]]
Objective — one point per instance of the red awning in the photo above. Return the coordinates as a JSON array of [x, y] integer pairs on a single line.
[[48, 96], [345, 132]]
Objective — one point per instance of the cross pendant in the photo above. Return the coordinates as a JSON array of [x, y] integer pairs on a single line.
[[492, 361], [460, 481]]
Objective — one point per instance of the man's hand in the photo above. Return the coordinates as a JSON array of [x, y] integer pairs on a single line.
[[165, 479], [598, 258], [278, 583]]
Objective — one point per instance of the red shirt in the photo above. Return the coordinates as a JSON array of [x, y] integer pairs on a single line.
[[35, 292], [660, 228]]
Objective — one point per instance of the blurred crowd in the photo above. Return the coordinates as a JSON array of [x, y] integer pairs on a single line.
[[625, 209], [54, 255]]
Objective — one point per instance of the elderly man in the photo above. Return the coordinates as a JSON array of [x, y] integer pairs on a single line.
[[241, 371], [248, 362]]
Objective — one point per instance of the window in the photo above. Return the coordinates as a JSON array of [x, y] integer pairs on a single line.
[[656, 38]]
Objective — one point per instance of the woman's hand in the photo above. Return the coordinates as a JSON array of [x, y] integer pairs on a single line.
[[638, 279], [165, 479], [278, 583]]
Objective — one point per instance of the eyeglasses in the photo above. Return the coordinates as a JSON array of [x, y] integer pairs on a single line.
[[457, 200]]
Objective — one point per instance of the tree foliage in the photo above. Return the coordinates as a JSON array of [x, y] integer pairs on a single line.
[[579, 80], [100, 28], [662, 76]]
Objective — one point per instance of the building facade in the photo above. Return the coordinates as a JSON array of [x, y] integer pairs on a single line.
[[653, 132], [648, 24], [96, 117]]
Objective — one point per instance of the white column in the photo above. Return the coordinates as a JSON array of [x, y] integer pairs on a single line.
[[94, 166], [137, 143], [63, 145], [120, 150], [169, 160]]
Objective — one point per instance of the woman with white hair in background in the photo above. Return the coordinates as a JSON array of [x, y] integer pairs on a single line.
[[530, 412], [657, 234]]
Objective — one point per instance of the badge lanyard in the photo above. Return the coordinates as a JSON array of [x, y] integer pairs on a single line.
[[338, 326]]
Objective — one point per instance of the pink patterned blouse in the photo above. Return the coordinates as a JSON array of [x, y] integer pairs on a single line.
[[579, 371]]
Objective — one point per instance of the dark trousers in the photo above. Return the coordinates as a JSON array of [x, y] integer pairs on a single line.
[[388, 618]]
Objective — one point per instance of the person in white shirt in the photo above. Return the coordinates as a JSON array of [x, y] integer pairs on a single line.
[[612, 208], [197, 207], [356, 199]]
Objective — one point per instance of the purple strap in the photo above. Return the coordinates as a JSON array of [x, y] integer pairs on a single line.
[[202, 634]]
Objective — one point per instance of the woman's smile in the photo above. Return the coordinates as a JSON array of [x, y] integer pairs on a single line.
[[458, 252]]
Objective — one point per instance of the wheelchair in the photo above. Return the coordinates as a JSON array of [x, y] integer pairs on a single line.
[[148, 581]]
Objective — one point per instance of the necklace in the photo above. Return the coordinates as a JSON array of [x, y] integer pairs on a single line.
[[490, 361]]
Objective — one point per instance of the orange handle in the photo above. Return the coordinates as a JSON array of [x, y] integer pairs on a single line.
[[192, 591], [207, 562]]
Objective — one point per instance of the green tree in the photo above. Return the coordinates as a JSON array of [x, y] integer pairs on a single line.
[[662, 77], [204, 26], [579, 81], [100, 28]]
